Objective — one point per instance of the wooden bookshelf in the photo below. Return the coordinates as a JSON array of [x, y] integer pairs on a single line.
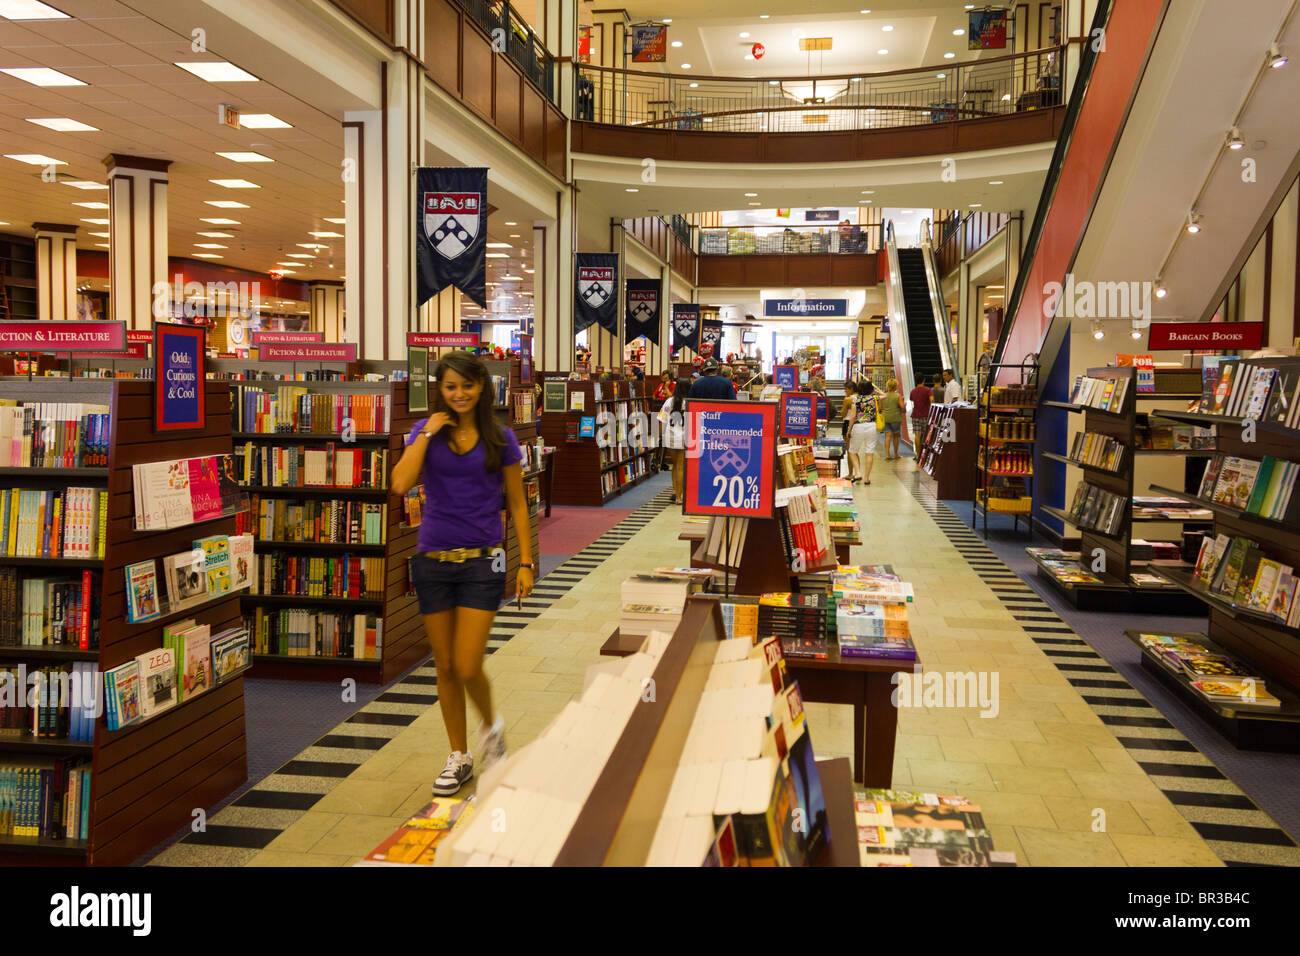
[[948, 452], [586, 474], [1008, 414]]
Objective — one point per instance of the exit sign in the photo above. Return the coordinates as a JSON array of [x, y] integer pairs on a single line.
[[227, 115]]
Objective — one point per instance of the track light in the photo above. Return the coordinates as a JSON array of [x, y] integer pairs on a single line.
[[1161, 291], [1235, 139], [1136, 332], [1098, 331], [1276, 58], [1193, 223]]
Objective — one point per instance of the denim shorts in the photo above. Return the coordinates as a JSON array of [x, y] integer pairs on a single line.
[[443, 585], [895, 427]]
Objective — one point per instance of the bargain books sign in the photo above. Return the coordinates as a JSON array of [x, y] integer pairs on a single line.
[[1218, 336]]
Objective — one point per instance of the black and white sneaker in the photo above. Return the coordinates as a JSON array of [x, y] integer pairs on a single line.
[[492, 741], [460, 767]]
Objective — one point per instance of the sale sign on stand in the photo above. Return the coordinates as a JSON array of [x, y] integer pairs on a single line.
[[798, 414], [730, 458]]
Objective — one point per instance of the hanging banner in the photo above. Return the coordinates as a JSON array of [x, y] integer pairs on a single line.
[[988, 30], [710, 337], [451, 236], [686, 326], [823, 408], [798, 414], [730, 458], [642, 310], [593, 293], [178, 378], [649, 43]]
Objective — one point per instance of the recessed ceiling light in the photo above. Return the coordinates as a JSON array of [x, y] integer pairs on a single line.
[[287, 272], [866, 202], [300, 255], [512, 278], [864, 11], [686, 66], [218, 72], [221, 222], [749, 56], [882, 52], [908, 212], [949, 55], [529, 272], [959, 32], [225, 204], [215, 235], [751, 195], [234, 183], [29, 10], [209, 245], [773, 82], [976, 205], [42, 76], [61, 124], [744, 35], [677, 43], [666, 20], [326, 235], [887, 28], [99, 235], [692, 85], [96, 222], [84, 184], [206, 255], [995, 182], [35, 159], [310, 245], [868, 192], [337, 222], [941, 76], [765, 16], [498, 245], [756, 204], [91, 205], [496, 255], [997, 287], [512, 223], [262, 121], [246, 157]]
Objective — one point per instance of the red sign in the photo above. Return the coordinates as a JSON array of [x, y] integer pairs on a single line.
[[448, 340], [60, 336], [1205, 335], [286, 338], [757, 51], [134, 350], [730, 458], [141, 335], [309, 352]]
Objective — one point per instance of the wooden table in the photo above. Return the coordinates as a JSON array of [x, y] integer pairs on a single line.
[[863, 683]]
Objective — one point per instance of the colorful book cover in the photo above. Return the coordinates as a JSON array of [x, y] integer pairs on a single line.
[[216, 562], [157, 681], [126, 697], [141, 591], [187, 579], [205, 488], [1214, 666], [169, 485], [1283, 596], [1249, 693], [229, 654], [1266, 581], [194, 661], [243, 567]]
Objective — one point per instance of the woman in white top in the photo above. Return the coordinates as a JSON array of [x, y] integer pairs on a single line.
[[672, 418], [862, 433]]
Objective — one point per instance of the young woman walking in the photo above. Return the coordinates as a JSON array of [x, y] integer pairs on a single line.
[[892, 408], [466, 462], [863, 436], [672, 418], [848, 414]]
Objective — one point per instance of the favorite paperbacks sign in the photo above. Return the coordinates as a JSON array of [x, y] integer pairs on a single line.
[[451, 231], [593, 292]]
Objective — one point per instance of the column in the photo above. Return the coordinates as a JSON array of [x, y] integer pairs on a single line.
[[56, 271], [561, 33], [325, 300], [442, 312], [139, 287], [553, 275]]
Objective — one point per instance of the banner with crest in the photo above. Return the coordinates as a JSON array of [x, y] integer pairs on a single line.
[[451, 231]]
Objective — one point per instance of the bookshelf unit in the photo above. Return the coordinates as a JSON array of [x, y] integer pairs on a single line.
[[587, 474], [948, 452], [1008, 433], [146, 778], [403, 635]]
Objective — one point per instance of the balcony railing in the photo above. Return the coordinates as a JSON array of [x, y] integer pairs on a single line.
[[505, 26], [979, 88], [789, 240]]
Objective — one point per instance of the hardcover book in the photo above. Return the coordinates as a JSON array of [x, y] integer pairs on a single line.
[[205, 488], [141, 591], [157, 681]]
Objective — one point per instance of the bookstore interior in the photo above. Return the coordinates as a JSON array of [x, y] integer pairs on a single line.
[[948, 558]]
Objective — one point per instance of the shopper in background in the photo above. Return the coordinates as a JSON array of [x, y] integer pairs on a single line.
[[672, 418], [891, 408], [711, 385], [920, 398], [664, 389], [936, 391], [862, 433], [952, 387], [467, 462], [846, 234], [726, 373], [847, 412]]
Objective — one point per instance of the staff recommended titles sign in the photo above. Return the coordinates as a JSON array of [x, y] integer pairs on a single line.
[[178, 378], [730, 458]]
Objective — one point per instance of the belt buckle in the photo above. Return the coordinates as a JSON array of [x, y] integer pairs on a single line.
[[458, 555]]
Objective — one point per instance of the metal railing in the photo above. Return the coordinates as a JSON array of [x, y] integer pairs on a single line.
[[789, 240], [506, 27], [997, 86], [678, 224]]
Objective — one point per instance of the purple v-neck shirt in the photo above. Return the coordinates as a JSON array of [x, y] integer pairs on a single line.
[[462, 501]]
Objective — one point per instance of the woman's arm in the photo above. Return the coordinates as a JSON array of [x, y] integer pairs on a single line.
[[517, 505], [407, 470]]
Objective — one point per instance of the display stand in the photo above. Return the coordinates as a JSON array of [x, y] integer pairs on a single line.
[[148, 777], [585, 473], [1007, 417], [948, 452]]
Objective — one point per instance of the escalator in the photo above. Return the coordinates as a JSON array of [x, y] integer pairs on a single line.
[[922, 337]]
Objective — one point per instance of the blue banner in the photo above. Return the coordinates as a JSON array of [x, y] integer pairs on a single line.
[[819, 307], [798, 414], [179, 377], [451, 231], [787, 377]]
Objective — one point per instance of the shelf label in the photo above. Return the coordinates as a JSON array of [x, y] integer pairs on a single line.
[[309, 352], [730, 458], [286, 338], [798, 414], [73, 336], [445, 340]]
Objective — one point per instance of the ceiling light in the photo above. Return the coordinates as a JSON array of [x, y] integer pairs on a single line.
[[35, 159], [949, 55], [91, 205], [289, 264], [246, 157], [1235, 140], [234, 183], [997, 287], [300, 255], [868, 192], [84, 184], [512, 223], [941, 76], [959, 32], [666, 20], [970, 6], [1006, 97], [751, 195], [693, 85], [707, 119], [676, 43], [29, 10], [686, 66], [206, 255], [221, 222], [1276, 58], [867, 202], [995, 182], [882, 52], [514, 235], [326, 235], [498, 245], [1098, 331], [209, 245], [864, 11], [496, 255], [337, 222], [1136, 333], [225, 204], [96, 222], [99, 235], [908, 212], [42, 76], [286, 272], [1161, 291], [528, 272], [976, 205], [632, 189], [744, 36], [101, 245], [887, 28], [61, 124], [773, 82], [218, 72], [310, 245], [1193, 223], [512, 278], [756, 204], [765, 16], [215, 235], [262, 121]]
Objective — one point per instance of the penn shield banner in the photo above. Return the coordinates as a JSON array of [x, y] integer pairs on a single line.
[[686, 326], [642, 316], [451, 231], [710, 337], [593, 292]]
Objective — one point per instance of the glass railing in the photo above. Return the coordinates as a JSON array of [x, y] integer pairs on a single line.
[[976, 89], [789, 240], [522, 47]]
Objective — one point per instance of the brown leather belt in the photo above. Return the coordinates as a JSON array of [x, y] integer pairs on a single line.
[[460, 555]]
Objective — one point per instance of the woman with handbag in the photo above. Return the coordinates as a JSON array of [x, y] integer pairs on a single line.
[[467, 463], [891, 412], [672, 418], [864, 430]]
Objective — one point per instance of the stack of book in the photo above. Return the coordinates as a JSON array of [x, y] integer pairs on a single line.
[[1175, 509], [1244, 390], [804, 521], [1104, 394], [740, 618], [1096, 509], [1100, 451], [798, 464], [171, 494], [869, 584], [1063, 566], [1238, 571], [651, 603], [798, 621], [53, 434], [841, 508], [1261, 488], [1217, 677]]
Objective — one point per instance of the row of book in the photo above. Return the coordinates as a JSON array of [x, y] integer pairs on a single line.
[[1261, 488], [1238, 571], [1174, 509], [338, 576], [328, 521], [1163, 434], [1216, 677], [214, 566], [291, 408], [500, 388], [797, 464], [54, 434], [1096, 509], [307, 632], [53, 522], [1100, 451], [55, 702], [902, 828], [625, 473], [45, 799], [183, 491], [1104, 394], [194, 661], [1242, 389], [50, 612], [301, 467], [651, 602], [806, 521], [523, 406]]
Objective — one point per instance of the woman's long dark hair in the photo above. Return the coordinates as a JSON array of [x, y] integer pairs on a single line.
[[471, 367], [680, 393]]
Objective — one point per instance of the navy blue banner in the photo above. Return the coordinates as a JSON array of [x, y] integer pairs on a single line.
[[781, 307], [710, 337], [686, 326], [451, 231], [594, 300], [642, 316]]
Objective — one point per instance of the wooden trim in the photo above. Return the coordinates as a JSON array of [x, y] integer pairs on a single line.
[[1268, 276], [115, 161], [383, 182], [54, 227], [360, 127]]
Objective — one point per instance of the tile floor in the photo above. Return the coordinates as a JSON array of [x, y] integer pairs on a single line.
[[1055, 784]]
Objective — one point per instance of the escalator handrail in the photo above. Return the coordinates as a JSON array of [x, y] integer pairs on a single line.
[[942, 328], [1087, 62], [900, 344]]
